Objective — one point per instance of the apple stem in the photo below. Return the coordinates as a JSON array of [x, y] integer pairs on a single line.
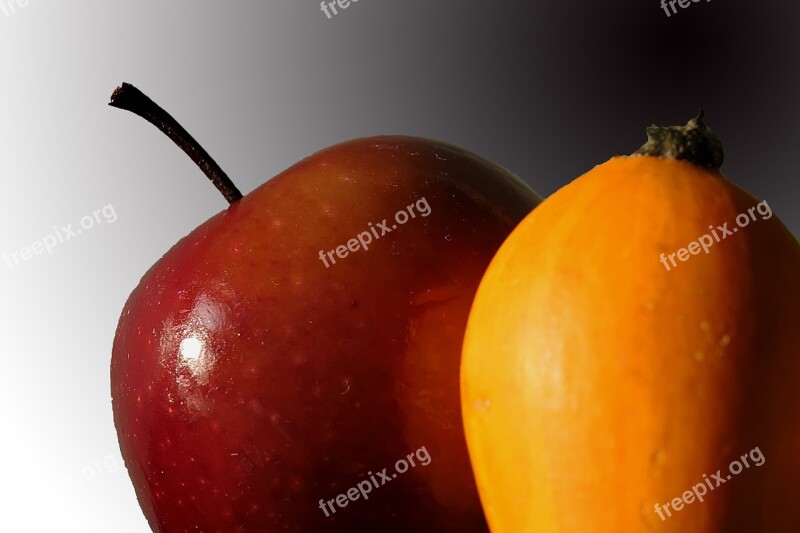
[[129, 98]]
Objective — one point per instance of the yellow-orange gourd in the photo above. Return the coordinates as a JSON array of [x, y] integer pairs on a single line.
[[599, 380]]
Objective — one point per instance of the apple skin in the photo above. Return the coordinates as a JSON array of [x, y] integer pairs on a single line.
[[249, 381]]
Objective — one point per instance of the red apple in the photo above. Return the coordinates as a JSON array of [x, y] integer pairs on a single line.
[[253, 382]]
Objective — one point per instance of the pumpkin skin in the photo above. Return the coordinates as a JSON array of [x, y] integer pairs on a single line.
[[596, 383]]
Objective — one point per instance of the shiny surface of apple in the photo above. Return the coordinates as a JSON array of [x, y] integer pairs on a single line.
[[250, 380]]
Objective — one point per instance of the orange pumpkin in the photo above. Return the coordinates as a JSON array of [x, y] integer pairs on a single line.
[[599, 382]]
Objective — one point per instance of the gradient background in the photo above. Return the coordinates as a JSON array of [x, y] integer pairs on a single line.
[[546, 89]]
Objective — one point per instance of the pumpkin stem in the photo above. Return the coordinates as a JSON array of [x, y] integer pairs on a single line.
[[694, 143]]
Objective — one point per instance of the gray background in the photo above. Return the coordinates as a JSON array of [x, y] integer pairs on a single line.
[[547, 89]]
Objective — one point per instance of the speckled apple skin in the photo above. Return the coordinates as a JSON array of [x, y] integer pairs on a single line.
[[249, 381]]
